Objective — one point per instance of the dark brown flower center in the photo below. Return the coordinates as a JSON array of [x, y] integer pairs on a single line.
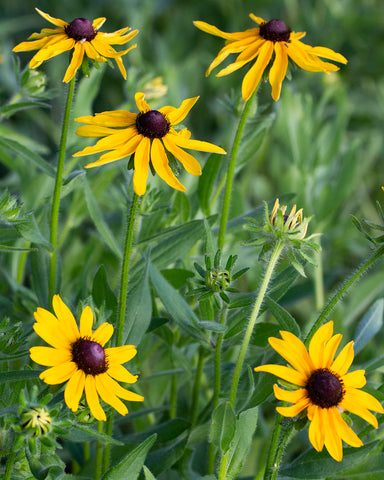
[[275, 31], [89, 356], [152, 124], [324, 388], [80, 29]]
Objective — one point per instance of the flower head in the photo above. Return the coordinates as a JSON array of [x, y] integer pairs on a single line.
[[325, 388], [79, 356], [260, 43], [147, 135], [83, 37]]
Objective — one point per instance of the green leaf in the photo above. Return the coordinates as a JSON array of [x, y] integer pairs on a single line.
[[132, 463], [12, 108], [238, 453], [102, 293], [19, 375], [207, 181], [148, 474], [98, 220], [139, 308], [370, 324], [84, 433], [162, 460], [177, 277], [175, 304], [7, 248], [262, 332], [212, 326], [284, 318], [28, 155], [223, 426], [165, 431], [29, 230]]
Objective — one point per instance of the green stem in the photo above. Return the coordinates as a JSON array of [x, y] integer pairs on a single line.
[[216, 388], [231, 170], [10, 459], [125, 270], [173, 397], [99, 453], [342, 291], [57, 191], [319, 281], [281, 439], [122, 306], [255, 312], [196, 386]]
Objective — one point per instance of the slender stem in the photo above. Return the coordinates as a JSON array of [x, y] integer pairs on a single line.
[[343, 290], [122, 306], [196, 386], [278, 447], [125, 270], [319, 281], [231, 170], [57, 191], [216, 388], [10, 459], [255, 312], [99, 453], [173, 397]]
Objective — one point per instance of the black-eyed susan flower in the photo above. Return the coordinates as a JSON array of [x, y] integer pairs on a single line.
[[79, 357], [147, 135], [81, 36], [325, 388], [260, 44]]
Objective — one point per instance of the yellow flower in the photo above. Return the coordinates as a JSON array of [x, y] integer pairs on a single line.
[[80, 358], [147, 135], [325, 388], [80, 35], [260, 43]]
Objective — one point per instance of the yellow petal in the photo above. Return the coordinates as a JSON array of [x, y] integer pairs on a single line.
[[328, 53], [316, 431], [142, 105], [103, 388], [103, 47], [115, 118], [178, 114], [94, 131], [49, 357], [332, 439], [121, 374], [121, 152], [344, 360], [295, 409], [141, 161], [103, 333], [183, 142], [159, 161], [354, 379], [28, 46], [285, 373], [93, 398], [343, 430], [289, 396], [51, 330], [56, 21], [253, 76], [121, 392], [61, 45], [278, 70], [258, 20], [74, 390], [211, 29], [77, 59], [59, 374], [317, 344], [118, 140], [364, 399], [330, 350], [98, 23], [92, 53], [293, 350], [86, 322], [65, 317], [189, 162], [120, 354]]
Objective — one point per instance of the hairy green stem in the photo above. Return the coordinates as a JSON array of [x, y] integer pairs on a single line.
[[319, 281], [10, 459], [254, 315], [99, 453], [278, 446], [216, 388], [57, 190], [122, 305], [196, 386], [231, 170]]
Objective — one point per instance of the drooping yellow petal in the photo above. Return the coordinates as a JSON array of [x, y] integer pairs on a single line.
[[183, 142], [328, 53], [361, 399], [103, 47], [62, 44], [206, 27], [104, 390], [77, 59], [65, 317], [343, 430], [119, 139], [59, 374], [56, 21], [285, 373], [332, 440], [178, 114], [189, 162], [121, 392], [120, 354], [94, 131], [120, 152], [140, 174], [278, 70], [93, 398], [289, 396], [103, 333], [117, 118], [253, 76], [344, 360], [49, 357], [121, 374], [74, 390], [86, 322], [316, 431], [295, 409], [159, 161]]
